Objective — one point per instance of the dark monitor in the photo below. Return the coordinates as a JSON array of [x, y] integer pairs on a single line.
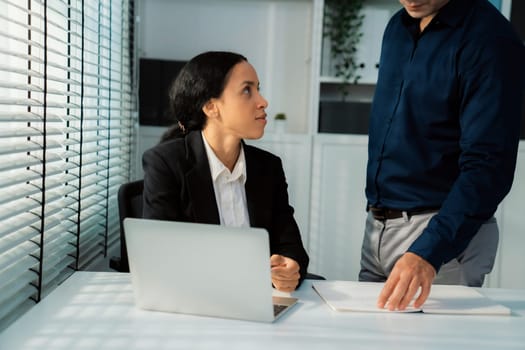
[[341, 117], [155, 79]]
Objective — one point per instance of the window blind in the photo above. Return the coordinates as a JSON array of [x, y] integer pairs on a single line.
[[66, 132]]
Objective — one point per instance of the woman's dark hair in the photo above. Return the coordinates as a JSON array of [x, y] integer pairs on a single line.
[[202, 78]]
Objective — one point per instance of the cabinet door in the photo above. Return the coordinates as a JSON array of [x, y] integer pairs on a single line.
[[510, 261], [337, 214], [295, 153]]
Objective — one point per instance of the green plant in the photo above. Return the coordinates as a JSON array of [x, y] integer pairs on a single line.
[[342, 25], [280, 116]]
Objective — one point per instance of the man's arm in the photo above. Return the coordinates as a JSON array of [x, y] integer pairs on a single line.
[[490, 98], [491, 92]]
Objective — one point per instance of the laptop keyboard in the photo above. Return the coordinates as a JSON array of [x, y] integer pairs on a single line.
[[277, 309]]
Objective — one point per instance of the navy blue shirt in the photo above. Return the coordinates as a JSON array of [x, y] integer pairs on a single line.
[[444, 125]]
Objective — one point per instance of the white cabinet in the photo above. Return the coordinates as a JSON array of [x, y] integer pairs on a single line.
[[510, 261], [295, 153], [337, 214]]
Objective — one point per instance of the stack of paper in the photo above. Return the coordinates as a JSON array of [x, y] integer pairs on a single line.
[[443, 299]]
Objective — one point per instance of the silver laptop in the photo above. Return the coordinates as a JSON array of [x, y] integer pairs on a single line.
[[202, 269]]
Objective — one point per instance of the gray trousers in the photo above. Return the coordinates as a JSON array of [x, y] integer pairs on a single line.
[[385, 241]]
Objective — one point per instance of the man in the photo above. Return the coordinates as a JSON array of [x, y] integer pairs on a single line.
[[444, 132]]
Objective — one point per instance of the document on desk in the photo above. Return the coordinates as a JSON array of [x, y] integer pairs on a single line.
[[443, 299]]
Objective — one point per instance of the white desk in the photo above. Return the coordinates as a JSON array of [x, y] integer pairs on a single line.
[[94, 310]]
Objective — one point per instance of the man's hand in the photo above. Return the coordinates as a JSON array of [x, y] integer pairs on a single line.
[[409, 274], [285, 273]]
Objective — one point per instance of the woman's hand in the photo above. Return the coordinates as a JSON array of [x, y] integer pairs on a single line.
[[285, 273]]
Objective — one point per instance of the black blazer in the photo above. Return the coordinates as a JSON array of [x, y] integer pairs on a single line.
[[178, 187]]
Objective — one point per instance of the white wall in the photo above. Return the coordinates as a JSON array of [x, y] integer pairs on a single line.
[[274, 35]]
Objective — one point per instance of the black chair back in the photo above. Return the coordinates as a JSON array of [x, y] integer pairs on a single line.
[[129, 206]]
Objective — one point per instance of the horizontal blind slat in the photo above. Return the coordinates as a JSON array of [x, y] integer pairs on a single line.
[[17, 306], [16, 223], [78, 81], [17, 238]]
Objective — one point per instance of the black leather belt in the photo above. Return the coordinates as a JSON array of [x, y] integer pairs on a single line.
[[388, 214]]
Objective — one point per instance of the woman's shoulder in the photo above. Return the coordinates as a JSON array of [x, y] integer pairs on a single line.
[[256, 152], [172, 148], [171, 144]]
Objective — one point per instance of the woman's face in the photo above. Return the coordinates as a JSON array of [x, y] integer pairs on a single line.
[[241, 108]]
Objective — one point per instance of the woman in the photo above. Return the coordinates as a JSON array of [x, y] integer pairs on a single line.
[[202, 171]]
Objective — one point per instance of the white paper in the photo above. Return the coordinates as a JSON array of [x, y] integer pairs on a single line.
[[443, 299]]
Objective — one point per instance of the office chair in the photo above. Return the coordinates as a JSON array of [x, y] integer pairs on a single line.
[[129, 206]]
